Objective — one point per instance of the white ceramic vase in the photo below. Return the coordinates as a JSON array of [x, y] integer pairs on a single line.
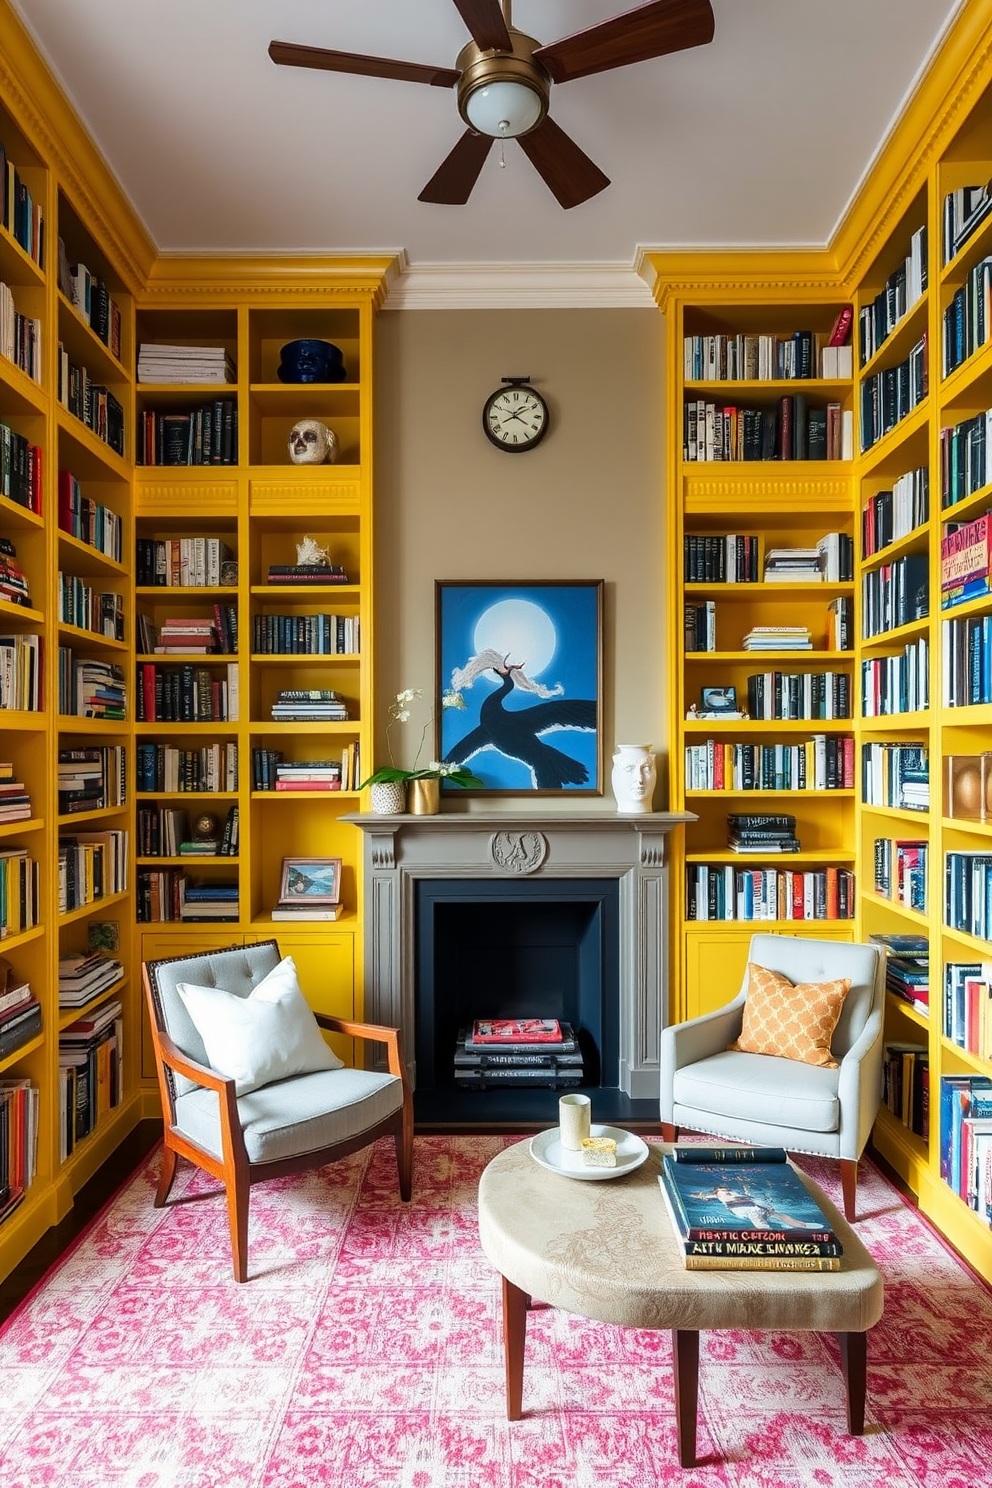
[[634, 777], [388, 797]]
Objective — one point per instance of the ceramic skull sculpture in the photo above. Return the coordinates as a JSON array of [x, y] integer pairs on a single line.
[[312, 443]]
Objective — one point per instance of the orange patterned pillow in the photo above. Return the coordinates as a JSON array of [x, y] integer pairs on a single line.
[[793, 1021]]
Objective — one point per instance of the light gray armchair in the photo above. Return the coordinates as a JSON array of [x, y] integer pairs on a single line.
[[285, 1126], [764, 1099]]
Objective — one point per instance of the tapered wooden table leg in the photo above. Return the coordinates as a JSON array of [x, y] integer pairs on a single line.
[[685, 1353], [854, 1362], [515, 1305]]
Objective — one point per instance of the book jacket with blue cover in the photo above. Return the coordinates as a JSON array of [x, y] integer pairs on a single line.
[[756, 1200]]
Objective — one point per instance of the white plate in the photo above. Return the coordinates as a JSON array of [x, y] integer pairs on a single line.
[[547, 1150]]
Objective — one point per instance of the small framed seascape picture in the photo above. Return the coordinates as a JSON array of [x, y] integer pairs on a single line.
[[519, 684], [310, 881], [719, 700]]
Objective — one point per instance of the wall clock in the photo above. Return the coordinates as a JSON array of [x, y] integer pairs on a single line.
[[515, 417]]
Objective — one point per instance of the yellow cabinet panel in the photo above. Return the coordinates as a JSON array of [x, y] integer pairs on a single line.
[[715, 960], [325, 964], [160, 945]]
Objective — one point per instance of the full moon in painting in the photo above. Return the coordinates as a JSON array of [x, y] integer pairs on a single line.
[[521, 630]]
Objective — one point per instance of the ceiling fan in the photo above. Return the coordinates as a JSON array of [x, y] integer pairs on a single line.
[[503, 81]]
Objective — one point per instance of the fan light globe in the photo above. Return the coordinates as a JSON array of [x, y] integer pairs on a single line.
[[504, 110]]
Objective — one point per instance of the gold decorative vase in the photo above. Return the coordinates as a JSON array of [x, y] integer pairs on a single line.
[[425, 797]]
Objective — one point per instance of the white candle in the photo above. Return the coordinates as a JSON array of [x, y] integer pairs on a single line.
[[574, 1120]]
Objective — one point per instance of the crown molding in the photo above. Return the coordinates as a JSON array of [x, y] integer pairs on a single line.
[[502, 286]]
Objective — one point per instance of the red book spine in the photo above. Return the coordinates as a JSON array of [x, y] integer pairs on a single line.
[[308, 785], [841, 329]]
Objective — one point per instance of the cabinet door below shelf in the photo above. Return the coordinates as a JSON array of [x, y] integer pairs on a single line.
[[162, 945], [715, 960], [325, 964]]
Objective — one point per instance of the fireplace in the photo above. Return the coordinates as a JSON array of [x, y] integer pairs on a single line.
[[497, 914]]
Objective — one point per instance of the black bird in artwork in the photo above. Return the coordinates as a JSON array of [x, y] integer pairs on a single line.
[[515, 732]]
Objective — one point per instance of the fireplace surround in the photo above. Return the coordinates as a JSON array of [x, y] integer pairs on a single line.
[[615, 866]]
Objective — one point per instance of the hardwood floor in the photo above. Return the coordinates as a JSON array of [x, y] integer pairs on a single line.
[[89, 1201]]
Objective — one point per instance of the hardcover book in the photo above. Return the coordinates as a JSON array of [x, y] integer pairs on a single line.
[[516, 1031], [729, 1201]]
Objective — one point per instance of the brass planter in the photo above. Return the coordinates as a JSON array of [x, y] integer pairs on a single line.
[[424, 797]]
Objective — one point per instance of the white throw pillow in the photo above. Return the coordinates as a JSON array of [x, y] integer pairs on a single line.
[[269, 1035]]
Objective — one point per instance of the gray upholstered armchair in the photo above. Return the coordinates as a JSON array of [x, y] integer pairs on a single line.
[[286, 1123], [779, 1102]]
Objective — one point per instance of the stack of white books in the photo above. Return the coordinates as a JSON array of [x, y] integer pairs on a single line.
[[793, 566], [779, 638], [184, 364]]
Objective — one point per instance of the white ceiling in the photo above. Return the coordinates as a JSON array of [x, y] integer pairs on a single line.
[[759, 139]]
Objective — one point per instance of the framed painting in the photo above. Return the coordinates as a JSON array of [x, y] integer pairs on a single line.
[[310, 881], [519, 679]]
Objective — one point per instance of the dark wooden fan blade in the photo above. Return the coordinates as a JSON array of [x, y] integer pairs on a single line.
[[452, 182], [289, 54], [566, 169], [485, 24], [649, 31]]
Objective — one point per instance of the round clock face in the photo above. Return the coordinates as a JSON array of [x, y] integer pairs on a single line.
[[515, 418]]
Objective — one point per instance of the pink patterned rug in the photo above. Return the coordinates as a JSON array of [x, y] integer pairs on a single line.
[[366, 1352]]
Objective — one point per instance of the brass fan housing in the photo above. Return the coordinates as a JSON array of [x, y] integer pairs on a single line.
[[480, 68]]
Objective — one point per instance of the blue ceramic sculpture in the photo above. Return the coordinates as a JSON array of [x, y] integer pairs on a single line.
[[311, 361]]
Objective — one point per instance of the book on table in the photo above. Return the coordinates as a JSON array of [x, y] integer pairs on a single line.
[[746, 1215], [516, 1031]]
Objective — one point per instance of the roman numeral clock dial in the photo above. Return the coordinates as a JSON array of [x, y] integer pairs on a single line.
[[515, 417]]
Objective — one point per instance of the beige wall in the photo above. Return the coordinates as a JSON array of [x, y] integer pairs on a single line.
[[587, 503]]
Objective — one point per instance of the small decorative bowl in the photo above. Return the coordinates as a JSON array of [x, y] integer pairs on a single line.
[[311, 361]]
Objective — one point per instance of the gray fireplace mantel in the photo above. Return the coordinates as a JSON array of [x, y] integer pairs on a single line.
[[399, 850]]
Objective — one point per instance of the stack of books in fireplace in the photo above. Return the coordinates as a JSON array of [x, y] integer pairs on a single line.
[[538, 1053]]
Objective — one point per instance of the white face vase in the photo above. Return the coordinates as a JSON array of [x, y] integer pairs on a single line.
[[312, 443]]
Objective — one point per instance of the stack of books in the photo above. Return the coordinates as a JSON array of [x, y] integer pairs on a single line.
[[745, 1209], [20, 1014], [756, 832], [907, 967], [779, 638], [793, 566], [186, 638], [302, 574], [539, 1053], [15, 803], [216, 900], [91, 778], [97, 689], [308, 775], [84, 976], [309, 705], [13, 584], [184, 364]]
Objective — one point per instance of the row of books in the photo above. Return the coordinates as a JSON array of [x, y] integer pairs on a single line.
[[792, 430], [190, 635], [20, 336], [166, 894], [889, 396], [968, 893], [92, 300], [21, 466], [20, 1012], [90, 688], [167, 767], [21, 215], [965, 561], [91, 1062], [187, 693], [20, 672], [87, 520], [895, 775], [968, 1006], [744, 1209], [200, 436], [720, 558], [823, 762], [765, 358], [895, 594], [900, 292], [799, 695], [897, 684], [888, 516], [91, 778], [15, 802], [19, 1102], [158, 362], [83, 975], [93, 404], [700, 626], [722, 892], [182, 562], [964, 457], [966, 1139], [967, 322], [966, 661], [91, 866], [762, 832], [20, 896], [900, 871], [907, 967], [13, 580], [164, 832], [80, 604], [270, 771], [964, 210], [307, 635], [906, 1085]]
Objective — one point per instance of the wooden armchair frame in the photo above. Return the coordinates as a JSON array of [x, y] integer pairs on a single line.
[[233, 1168]]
